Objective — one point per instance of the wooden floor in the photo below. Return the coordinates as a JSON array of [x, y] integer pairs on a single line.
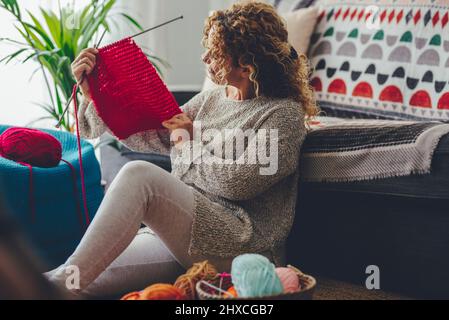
[[335, 290]]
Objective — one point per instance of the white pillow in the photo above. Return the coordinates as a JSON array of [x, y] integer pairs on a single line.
[[300, 25]]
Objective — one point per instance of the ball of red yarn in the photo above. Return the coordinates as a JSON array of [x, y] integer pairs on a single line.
[[31, 146]]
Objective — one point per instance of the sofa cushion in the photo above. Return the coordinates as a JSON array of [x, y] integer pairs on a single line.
[[300, 25], [392, 67]]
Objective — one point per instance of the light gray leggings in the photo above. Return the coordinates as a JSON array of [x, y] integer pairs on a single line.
[[114, 257]]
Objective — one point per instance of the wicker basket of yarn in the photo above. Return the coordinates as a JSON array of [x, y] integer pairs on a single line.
[[291, 288]]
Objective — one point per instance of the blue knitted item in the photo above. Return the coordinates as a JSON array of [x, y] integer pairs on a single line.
[[56, 231]]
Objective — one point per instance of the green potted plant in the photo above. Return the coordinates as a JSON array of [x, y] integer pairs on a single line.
[[54, 40]]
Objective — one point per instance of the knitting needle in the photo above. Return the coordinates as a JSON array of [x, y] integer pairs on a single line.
[[58, 125], [83, 77], [158, 26]]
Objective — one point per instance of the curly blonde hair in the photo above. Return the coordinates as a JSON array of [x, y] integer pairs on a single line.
[[252, 33]]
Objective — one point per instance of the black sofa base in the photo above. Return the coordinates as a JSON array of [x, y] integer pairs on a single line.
[[337, 235]]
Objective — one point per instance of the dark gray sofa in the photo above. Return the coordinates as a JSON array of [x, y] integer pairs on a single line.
[[399, 224]]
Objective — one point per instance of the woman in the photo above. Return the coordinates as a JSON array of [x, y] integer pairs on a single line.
[[204, 209]]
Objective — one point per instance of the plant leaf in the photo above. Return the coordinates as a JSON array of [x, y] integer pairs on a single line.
[[132, 20], [14, 41], [36, 21], [24, 36], [95, 25], [53, 26], [48, 108], [11, 56], [31, 123], [33, 74], [44, 53], [42, 34], [37, 43], [153, 58], [12, 6], [58, 101], [61, 63]]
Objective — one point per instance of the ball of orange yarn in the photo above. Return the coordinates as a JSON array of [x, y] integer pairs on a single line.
[[232, 291], [199, 271], [162, 291], [131, 296], [158, 291]]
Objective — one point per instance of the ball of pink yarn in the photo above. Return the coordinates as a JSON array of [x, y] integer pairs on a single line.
[[289, 279]]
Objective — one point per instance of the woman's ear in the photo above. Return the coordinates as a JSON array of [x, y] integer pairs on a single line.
[[246, 70]]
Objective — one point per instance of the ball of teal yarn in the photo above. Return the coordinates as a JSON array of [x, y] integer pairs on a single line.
[[253, 275]]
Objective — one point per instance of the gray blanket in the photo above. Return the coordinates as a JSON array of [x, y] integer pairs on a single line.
[[351, 150]]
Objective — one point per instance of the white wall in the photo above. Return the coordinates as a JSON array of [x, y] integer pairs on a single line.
[[180, 42], [17, 93]]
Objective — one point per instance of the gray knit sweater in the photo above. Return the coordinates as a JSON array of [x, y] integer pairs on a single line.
[[237, 209]]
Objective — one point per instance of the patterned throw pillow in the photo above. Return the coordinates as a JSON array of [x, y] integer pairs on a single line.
[[383, 59]]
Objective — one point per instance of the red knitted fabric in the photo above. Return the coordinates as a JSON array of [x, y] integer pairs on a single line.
[[127, 92]]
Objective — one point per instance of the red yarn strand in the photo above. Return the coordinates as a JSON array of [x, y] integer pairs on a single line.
[[75, 193], [31, 192], [80, 155]]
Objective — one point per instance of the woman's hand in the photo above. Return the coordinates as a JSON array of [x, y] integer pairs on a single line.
[[180, 122], [83, 65]]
